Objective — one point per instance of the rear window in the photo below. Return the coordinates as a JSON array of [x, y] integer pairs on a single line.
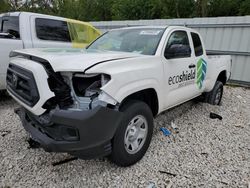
[[197, 44], [10, 25], [53, 30]]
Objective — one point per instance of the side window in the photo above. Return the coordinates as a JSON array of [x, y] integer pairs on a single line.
[[10, 26], [197, 44], [0, 24], [53, 30], [178, 45]]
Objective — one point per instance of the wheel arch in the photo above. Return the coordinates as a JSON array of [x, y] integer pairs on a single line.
[[222, 77], [148, 95]]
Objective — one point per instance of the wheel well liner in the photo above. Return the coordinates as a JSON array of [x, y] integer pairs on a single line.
[[222, 77], [149, 96]]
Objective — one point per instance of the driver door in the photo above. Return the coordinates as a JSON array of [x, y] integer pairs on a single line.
[[179, 68]]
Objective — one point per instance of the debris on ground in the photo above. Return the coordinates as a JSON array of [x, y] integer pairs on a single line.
[[168, 173], [215, 116], [4, 133], [64, 161], [165, 131], [174, 127], [151, 185]]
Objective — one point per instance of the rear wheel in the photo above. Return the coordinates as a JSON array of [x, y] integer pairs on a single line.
[[214, 97], [134, 134]]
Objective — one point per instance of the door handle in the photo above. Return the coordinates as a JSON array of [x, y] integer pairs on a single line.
[[191, 66]]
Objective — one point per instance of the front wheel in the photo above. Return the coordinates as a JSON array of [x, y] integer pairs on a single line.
[[134, 134]]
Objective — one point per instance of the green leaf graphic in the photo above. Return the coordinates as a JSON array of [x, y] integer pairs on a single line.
[[201, 72]]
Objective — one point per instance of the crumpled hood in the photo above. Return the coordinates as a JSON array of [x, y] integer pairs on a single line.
[[70, 59]]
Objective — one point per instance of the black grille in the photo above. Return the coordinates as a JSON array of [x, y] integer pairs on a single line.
[[21, 83]]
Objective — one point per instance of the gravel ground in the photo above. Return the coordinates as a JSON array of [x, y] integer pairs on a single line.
[[203, 152]]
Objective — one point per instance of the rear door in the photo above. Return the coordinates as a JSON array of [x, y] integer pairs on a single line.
[[200, 60], [9, 40], [50, 33]]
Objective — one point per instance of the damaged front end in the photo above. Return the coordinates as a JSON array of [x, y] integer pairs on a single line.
[[78, 91], [86, 90], [80, 118]]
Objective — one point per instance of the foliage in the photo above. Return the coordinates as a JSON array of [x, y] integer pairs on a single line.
[[96, 10], [132, 9], [224, 7], [4, 6], [178, 9], [245, 7]]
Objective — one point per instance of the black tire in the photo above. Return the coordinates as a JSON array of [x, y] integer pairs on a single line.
[[120, 155], [4, 95], [214, 97], [3, 92]]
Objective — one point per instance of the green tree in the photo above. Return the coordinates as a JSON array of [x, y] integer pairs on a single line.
[[103, 9], [201, 8], [5, 7], [66, 8], [132, 9], [15, 4], [178, 8], [245, 8], [91, 10], [224, 7], [87, 10]]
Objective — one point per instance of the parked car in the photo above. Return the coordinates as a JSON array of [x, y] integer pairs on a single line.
[[20, 30], [101, 100]]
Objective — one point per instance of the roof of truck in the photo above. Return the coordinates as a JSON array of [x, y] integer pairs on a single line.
[[141, 27], [10, 14], [156, 27], [32, 13], [46, 16]]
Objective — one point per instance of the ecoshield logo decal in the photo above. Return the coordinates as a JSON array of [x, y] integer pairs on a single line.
[[185, 78], [201, 72]]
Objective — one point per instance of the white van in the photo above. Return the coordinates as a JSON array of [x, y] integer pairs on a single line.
[[21, 30]]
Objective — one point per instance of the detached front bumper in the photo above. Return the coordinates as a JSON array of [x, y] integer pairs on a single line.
[[85, 134]]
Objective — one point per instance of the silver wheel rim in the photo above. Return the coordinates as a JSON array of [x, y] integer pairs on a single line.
[[218, 96], [136, 134]]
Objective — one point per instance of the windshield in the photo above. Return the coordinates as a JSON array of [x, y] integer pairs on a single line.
[[144, 40]]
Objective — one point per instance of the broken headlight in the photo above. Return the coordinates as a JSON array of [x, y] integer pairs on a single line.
[[88, 85]]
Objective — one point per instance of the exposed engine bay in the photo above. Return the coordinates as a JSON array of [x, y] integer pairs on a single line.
[[85, 89]]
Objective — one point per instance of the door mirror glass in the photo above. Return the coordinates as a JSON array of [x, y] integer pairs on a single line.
[[178, 45]]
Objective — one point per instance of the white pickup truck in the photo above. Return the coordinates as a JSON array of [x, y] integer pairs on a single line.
[[21, 30], [100, 101]]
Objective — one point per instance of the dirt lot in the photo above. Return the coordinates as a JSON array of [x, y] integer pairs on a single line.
[[203, 152]]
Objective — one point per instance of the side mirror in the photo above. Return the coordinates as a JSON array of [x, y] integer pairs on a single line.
[[177, 51]]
